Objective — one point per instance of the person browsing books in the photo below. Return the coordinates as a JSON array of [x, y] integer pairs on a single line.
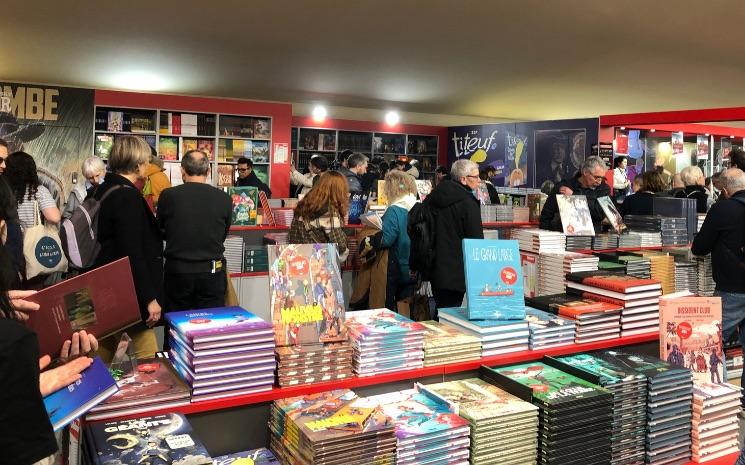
[[642, 201], [723, 236], [353, 172], [590, 182], [195, 220], [93, 170], [693, 179], [247, 176]]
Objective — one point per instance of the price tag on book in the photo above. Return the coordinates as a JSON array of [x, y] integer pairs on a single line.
[[179, 441]]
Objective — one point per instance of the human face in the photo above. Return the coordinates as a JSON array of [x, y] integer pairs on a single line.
[[95, 179], [472, 180], [243, 171], [3, 157], [362, 169], [624, 163], [593, 178]]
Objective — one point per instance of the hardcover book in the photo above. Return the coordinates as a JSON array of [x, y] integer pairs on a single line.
[[207, 146], [575, 215], [494, 282], [260, 152], [101, 301], [217, 324], [95, 385], [225, 175], [168, 148], [245, 205], [381, 324], [115, 121], [691, 336], [262, 128], [160, 439], [611, 213], [459, 316], [102, 145], [615, 282], [306, 294], [253, 457], [357, 205]]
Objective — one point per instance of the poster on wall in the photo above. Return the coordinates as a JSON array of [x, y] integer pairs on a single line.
[[54, 125], [561, 152], [484, 145], [726, 148], [516, 159], [702, 148], [676, 140], [622, 144]]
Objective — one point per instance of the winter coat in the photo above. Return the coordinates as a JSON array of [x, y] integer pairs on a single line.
[[395, 236], [158, 180], [353, 181], [550, 217], [324, 229]]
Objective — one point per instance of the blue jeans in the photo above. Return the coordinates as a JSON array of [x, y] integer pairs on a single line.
[[733, 318]]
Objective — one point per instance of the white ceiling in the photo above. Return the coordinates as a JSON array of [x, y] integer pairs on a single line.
[[513, 59]]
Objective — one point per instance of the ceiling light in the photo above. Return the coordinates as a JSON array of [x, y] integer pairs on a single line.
[[392, 118], [138, 80], [319, 113], [731, 137], [652, 130], [707, 134], [623, 128]]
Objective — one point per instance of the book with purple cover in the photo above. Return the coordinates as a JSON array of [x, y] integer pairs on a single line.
[[215, 324]]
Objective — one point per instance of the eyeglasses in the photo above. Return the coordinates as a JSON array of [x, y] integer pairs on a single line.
[[473, 176], [241, 169]]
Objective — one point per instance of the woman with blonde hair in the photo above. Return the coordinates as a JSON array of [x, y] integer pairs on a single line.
[[319, 216], [400, 190]]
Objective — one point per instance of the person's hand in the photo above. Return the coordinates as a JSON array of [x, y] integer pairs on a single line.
[[81, 343], [55, 379], [153, 310], [566, 191], [22, 306]]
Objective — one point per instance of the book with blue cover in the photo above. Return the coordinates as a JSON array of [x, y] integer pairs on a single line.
[[73, 401], [214, 324], [382, 324], [494, 281], [357, 206], [252, 457], [459, 316]]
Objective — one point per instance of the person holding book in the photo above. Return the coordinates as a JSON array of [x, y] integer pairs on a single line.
[[642, 201], [247, 176], [127, 228], [195, 267], [590, 182], [319, 216]]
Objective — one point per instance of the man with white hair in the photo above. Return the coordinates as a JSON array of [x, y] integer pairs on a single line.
[[693, 180], [94, 170], [590, 182], [457, 217], [723, 236]]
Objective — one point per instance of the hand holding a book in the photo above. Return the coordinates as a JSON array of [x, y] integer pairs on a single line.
[[22, 306], [55, 379], [566, 191], [81, 343]]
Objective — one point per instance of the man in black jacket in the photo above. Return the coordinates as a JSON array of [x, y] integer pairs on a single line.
[[723, 236], [590, 182], [247, 177], [457, 217]]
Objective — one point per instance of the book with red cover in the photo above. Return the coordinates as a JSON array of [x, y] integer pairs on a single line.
[[615, 282], [101, 301], [582, 308]]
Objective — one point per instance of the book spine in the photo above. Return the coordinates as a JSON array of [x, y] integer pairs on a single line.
[[605, 284], [598, 297]]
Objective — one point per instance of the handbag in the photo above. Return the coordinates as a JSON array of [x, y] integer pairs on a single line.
[[42, 248], [422, 305]]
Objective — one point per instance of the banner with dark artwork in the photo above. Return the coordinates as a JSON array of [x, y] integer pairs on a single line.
[[54, 124], [562, 150]]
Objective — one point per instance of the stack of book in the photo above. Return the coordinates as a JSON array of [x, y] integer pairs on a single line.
[[579, 243], [445, 344], [638, 298], [492, 234], [384, 341], [260, 456], [650, 223], [594, 320], [334, 427], [674, 231], [715, 421], [503, 427], [629, 391], [685, 276], [496, 336], [234, 254], [283, 216], [314, 363], [539, 240], [488, 213], [153, 385], [530, 264], [605, 241], [734, 361], [706, 283], [629, 241], [633, 265], [520, 214], [647, 238], [161, 439], [255, 259], [504, 213], [576, 416], [222, 352], [662, 267], [554, 267], [669, 401], [426, 430], [548, 330]]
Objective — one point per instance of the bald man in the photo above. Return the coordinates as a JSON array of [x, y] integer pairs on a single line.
[[723, 236]]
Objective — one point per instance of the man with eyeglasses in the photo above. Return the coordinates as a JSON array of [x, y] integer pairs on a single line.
[[590, 182], [247, 177]]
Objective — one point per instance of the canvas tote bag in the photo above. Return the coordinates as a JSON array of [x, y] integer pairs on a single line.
[[42, 248]]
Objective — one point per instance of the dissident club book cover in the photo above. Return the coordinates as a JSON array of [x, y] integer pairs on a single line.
[[494, 281]]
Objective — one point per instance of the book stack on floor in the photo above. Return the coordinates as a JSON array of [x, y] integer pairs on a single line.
[[638, 298], [234, 254], [605, 241], [575, 243], [715, 421], [159, 439], [445, 344], [260, 456], [629, 391], [554, 267], [539, 240], [594, 320], [503, 427], [669, 406], [496, 336], [426, 430], [334, 427], [384, 342], [629, 241], [153, 385], [307, 308], [576, 416], [255, 259], [662, 268], [706, 283], [222, 352], [548, 330]]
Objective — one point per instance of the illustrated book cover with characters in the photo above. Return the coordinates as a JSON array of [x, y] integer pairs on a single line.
[[245, 205], [575, 215]]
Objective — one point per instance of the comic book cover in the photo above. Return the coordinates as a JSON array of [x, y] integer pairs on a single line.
[[245, 205], [381, 324], [608, 372], [691, 336], [494, 282], [640, 363], [306, 294], [611, 213], [575, 215], [476, 400], [253, 457], [438, 335], [458, 316], [162, 439], [216, 323], [544, 322]]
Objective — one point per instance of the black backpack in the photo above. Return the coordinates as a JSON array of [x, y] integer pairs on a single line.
[[421, 229]]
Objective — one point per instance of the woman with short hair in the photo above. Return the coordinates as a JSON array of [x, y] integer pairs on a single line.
[[93, 170]]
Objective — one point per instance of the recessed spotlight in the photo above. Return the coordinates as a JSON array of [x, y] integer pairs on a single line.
[[623, 128], [652, 130], [731, 137], [319, 113], [707, 134], [392, 118]]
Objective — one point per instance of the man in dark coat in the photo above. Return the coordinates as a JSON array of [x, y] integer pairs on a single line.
[[247, 177], [590, 182], [457, 217]]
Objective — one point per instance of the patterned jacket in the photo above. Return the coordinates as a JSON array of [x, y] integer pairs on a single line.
[[325, 229]]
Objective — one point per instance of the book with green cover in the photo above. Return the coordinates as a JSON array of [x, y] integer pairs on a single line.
[[245, 205], [608, 372]]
